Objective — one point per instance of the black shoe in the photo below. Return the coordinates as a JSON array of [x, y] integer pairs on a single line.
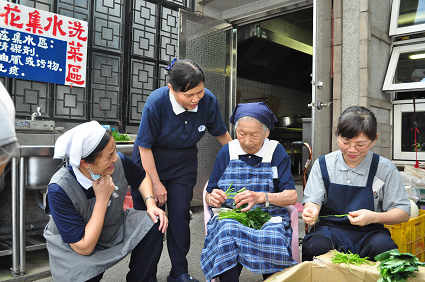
[[185, 277]]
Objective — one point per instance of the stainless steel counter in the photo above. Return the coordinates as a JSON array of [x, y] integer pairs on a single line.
[[126, 149], [48, 150]]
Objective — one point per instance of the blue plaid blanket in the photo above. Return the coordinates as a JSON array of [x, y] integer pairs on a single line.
[[228, 242]]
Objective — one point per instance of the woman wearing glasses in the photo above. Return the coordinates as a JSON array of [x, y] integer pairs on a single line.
[[174, 119], [351, 193]]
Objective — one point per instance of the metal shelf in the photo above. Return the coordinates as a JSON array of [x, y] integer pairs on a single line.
[[35, 242], [5, 247]]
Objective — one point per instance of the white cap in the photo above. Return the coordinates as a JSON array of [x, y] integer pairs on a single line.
[[79, 142], [7, 118]]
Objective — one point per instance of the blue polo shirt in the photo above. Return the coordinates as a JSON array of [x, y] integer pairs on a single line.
[[70, 223], [280, 160], [161, 128]]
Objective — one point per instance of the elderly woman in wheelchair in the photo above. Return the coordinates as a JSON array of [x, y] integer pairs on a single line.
[[263, 168]]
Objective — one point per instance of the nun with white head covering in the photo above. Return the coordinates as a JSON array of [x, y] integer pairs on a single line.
[[263, 168], [89, 231], [8, 140]]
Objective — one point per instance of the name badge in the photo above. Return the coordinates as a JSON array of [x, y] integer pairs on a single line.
[[201, 128], [274, 170], [377, 186]]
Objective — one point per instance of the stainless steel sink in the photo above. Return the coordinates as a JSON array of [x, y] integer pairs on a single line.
[[39, 171], [38, 166], [36, 132]]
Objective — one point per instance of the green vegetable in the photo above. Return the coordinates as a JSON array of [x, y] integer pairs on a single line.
[[230, 192], [252, 218], [336, 215], [349, 258], [396, 266], [120, 137]]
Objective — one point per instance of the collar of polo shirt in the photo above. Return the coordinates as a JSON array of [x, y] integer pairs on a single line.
[[361, 169], [177, 108]]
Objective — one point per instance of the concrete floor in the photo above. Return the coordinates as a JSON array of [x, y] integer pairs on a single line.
[[118, 272], [37, 262]]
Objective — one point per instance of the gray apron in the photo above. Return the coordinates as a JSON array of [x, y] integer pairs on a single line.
[[121, 232]]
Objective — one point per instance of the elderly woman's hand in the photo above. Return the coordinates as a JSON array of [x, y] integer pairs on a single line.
[[248, 197], [103, 188], [216, 198]]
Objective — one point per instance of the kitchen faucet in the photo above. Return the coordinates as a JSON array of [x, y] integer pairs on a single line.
[[36, 114]]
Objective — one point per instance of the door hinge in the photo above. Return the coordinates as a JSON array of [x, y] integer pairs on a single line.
[[319, 84], [319, 105]]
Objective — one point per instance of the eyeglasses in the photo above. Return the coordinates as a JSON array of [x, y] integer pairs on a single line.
[[359, 146]]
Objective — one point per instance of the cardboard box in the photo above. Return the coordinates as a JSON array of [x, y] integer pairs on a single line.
[[323, 270]]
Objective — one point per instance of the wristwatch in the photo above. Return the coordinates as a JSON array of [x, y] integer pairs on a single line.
[[148, 197], [267, 204]]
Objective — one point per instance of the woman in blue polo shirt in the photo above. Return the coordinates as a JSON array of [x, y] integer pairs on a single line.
[[174, 119]]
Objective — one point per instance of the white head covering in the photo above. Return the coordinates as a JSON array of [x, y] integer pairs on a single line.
[[7, 118], [79, 142]]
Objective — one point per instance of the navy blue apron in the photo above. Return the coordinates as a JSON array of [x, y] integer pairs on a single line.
[[342, 199]]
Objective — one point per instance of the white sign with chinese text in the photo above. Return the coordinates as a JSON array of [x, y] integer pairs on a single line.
[[42, 46]]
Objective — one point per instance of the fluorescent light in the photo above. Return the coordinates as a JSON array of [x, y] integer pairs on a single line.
[[417, 56]]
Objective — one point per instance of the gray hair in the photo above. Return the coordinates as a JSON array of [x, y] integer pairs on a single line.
[[251, 118]]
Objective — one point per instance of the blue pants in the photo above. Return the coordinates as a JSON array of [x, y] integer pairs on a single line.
[[145, 257], [177, 170], [371, 244], [179, 195]]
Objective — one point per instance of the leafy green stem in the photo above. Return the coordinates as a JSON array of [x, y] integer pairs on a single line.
[[335, 215]]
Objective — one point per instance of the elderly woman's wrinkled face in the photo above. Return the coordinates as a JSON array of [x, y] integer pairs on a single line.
[[251, 134], [104, 162]]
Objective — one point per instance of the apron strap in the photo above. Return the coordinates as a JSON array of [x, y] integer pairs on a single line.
[[324, 170], [234, 149], [372, 170], [267, 150]]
